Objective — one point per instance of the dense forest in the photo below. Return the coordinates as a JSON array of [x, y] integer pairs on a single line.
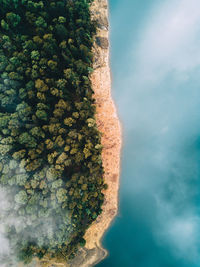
[[50, 147]]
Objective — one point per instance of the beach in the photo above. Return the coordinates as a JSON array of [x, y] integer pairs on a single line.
[[109, 125]]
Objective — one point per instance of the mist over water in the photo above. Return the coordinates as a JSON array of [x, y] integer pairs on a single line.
[[155, 60]]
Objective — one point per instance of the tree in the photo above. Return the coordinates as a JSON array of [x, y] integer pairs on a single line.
[[40, 22], [21, 197], [35, 55], [42, 115], [61, 195], [13, 19], [41, 86], [23, 110], [37, 132], [27, 140], [4, 25], [52, 65], [82, 242], [69, 121], [50, 147]]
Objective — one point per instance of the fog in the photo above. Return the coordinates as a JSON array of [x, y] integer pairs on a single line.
[[156, 87], [38, 228]]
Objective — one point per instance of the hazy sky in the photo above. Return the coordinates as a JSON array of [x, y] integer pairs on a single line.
[[155, 58]]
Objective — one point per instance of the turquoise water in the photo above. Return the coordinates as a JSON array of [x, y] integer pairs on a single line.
[[155, 59]]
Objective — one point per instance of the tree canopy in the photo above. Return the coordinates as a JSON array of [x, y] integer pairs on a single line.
[[50, 147]]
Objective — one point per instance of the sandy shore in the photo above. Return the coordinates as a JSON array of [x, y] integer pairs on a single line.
[[109, 125]]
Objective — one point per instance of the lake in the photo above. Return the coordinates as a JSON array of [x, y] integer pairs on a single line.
[[155, 61]]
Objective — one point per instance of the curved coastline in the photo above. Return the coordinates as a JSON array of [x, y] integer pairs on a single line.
[[107, 122], [109, 125]]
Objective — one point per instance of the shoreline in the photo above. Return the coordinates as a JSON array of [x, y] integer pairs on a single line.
[[109, 125]]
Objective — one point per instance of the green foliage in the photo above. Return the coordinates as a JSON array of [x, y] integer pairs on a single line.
[[4, 25], [82, 242], [35, 55], [13, 19], [40, 22], [41, 114], [61, 195], [21, 197], [9, 3], [50, 148], [27, 140]]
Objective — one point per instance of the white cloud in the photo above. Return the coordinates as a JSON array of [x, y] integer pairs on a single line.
[[183, 233], [170, 41], [163, 100], [179, 230]]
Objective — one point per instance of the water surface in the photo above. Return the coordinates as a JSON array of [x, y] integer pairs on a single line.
[[155, 60]]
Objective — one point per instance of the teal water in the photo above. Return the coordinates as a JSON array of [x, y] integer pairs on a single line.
[[155, 60]]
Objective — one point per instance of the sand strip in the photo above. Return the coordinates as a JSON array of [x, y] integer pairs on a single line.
[[109, 125]]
